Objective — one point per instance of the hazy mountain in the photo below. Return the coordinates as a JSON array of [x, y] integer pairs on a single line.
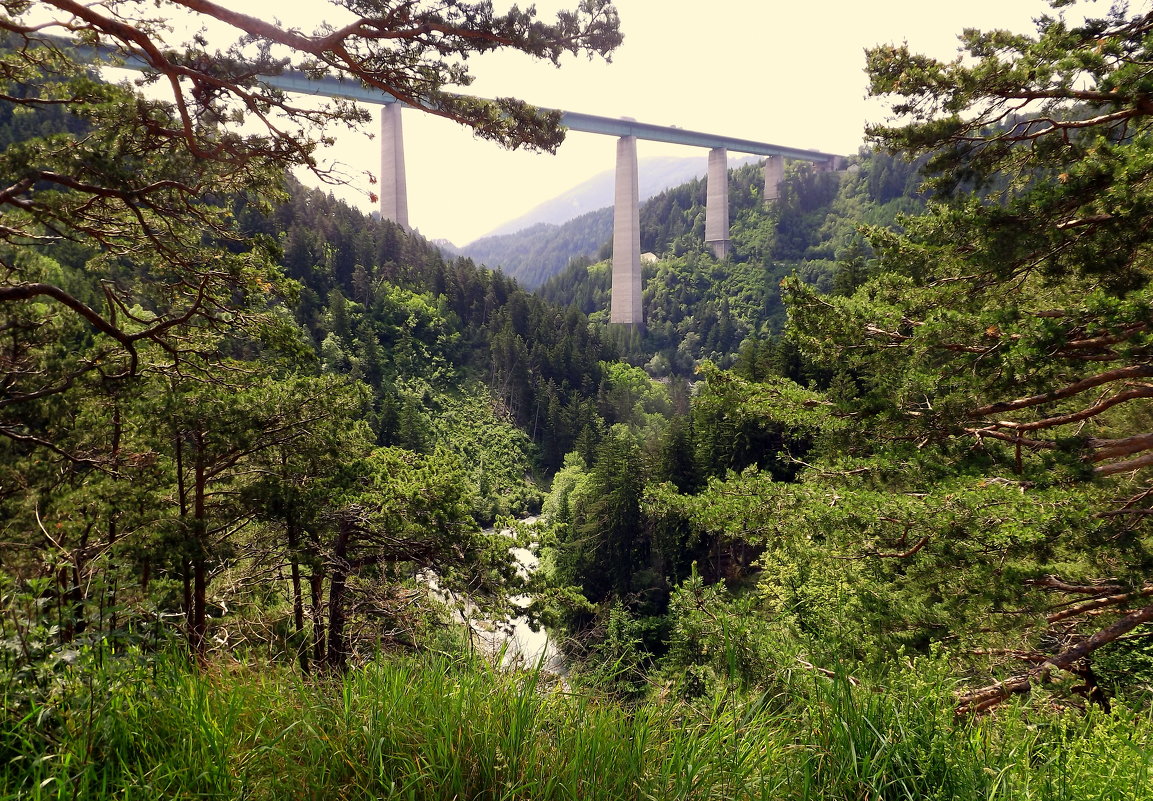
[[654, 174], [577, 223]]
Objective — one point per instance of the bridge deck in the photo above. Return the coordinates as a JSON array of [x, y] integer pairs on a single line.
[[590, 123], [301, 83], [573, 120]]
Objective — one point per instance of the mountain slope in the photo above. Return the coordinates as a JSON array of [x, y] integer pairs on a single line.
[[535, 254], [699, 308], [384, 306], [654, 174], [575, 224]]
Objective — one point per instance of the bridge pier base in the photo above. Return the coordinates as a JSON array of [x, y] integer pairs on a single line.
[[393, 185], [717, 203], [625, 306], [774, 174]]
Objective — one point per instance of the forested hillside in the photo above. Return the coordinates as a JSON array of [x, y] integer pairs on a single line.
[[697, 307], [534, 254], [385, 307]]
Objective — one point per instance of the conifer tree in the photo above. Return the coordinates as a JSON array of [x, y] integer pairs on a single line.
[[992, 404]]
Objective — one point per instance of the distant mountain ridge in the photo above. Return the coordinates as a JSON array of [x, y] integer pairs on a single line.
[[535, 254], [653, 175], [577, 223]]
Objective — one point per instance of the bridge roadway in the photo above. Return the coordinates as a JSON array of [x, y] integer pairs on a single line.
[[300, 83], [625, 305]]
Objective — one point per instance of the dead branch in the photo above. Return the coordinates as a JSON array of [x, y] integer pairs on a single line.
[[985, 698], [1099, 603], [1117, 374]]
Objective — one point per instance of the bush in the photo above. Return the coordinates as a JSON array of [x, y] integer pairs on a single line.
[[717, 640]]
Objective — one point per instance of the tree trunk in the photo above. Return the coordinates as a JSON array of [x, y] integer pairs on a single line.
[[198, 631], [198, 636], [113, 532], [186, 575], [337, 657], [316, 586], [297, 597], [73, 576], [182, 498], [316, 581]]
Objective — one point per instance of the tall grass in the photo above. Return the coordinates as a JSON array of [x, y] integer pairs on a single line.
[[438, 729]]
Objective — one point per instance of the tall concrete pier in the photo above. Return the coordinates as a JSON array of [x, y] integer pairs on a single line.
[[774, 174], [717, 203], [625, 306], [393, 187]]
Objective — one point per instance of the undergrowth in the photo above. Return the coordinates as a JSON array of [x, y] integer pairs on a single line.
[[435, 728]]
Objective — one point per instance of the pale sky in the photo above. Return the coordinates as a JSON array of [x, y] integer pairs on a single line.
[[790, 73]]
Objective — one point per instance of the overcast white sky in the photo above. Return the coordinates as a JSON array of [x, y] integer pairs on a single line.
[[790, 73]]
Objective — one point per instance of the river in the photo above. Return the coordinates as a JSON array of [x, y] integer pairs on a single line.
[[512, 640]]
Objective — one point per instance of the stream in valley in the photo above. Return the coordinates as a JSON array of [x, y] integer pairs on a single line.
[[513, 641]]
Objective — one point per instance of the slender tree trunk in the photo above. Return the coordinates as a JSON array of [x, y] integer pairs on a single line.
[[186, 575], [182, 498], [337, 657], [297, 597], [75, 623], [73, 576], [316, 580], [298, 617], [181, 491], [62, 596], [316, 586], [110, 572], [198, 633]]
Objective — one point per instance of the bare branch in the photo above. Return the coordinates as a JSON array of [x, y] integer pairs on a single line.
[[921, 543], [1112, 448], [1117, 374], [1054, 583], [27, 291], [1139, 391], [1099, 603], [1124, 467], [979, 700]]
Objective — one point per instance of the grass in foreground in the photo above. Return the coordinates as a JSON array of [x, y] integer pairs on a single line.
[[437, 729]]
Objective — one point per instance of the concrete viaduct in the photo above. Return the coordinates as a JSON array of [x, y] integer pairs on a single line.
[[626, 276]]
